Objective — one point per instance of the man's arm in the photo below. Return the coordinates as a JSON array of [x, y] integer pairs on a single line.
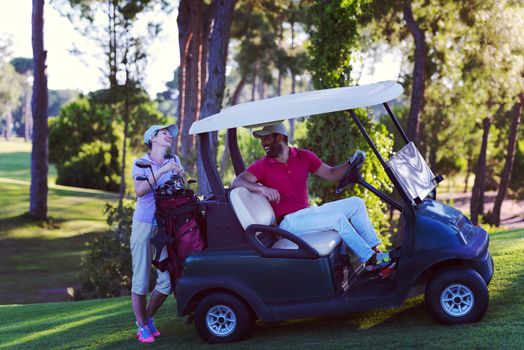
[[333, 173], [249, 181]]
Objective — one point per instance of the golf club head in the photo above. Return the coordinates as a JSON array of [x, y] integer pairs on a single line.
[[142, 164]]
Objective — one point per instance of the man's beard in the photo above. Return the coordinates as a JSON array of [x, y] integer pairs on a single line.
[[275, 149]]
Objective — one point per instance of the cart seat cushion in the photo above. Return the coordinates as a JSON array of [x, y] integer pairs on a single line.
[[323, 241], [253, 208]]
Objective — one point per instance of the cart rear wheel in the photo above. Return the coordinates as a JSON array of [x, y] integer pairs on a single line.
[[223, 318], [457, 296]]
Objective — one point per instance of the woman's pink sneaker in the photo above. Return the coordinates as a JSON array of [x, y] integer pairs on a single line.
[[151, 325], [144, 335]]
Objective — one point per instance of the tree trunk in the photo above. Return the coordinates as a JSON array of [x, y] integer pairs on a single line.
[[218, 45], [291, 136], [477, 196], [254, 82], [191, 33], [28, 117], [9, 125], [419, 72], [113, 47], [122, 190], [468, 172], [39, 152], [510, 157]]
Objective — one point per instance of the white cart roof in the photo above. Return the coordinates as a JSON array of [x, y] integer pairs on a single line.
[[276, 109]]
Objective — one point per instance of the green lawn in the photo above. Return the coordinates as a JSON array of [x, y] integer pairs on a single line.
[[108, 324], [15, 160], [39, 261]]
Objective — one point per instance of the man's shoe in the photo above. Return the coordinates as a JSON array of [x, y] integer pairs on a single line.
[[385, 273], [378, 261], [144, 335], [151, 325]]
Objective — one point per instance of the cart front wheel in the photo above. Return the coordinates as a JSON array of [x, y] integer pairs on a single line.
[[223, 318], [457, 296]]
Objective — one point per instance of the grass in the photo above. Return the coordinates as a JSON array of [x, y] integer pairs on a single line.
[[39, 260], [108, 323], [15, 160]]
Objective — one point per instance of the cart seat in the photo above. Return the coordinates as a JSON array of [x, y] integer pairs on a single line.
[[254, 208]]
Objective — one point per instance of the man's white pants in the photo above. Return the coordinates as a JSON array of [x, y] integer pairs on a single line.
[[359, 235]]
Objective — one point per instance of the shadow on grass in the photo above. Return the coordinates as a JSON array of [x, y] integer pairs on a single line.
[[60, 326], [26, 220], [40, 269]]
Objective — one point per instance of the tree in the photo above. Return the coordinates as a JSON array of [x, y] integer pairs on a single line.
[[419, 71], [194, 20], [124, 50], [10, 89], [508, 165], [85, 137], [39, 152], [214, 93], [495, 76], [334, 31], [202, 28], [24, 67]]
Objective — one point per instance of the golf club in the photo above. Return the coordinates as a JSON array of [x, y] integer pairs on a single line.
[[144, 165], [144, 178]]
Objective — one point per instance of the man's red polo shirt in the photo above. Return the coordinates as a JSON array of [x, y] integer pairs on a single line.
[[289, 179]]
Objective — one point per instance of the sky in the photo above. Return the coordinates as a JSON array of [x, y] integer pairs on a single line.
[[69, 71], [83, 73]]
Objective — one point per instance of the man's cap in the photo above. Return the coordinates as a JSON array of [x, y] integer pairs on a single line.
[[172, 128], [271, 129]]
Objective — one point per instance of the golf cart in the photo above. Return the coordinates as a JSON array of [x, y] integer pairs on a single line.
[[251, 269]]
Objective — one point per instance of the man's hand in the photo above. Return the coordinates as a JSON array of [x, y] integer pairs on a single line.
[[356, 155], [270, 193]]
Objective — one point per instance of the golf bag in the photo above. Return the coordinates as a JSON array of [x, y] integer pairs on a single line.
[[179, 219]]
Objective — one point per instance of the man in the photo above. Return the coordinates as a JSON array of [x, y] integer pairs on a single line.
[[281, 176]]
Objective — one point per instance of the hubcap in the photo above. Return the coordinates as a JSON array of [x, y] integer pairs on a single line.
[[221, 320], [457, 300]]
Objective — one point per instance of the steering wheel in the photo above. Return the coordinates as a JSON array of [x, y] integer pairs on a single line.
[[352, 174]]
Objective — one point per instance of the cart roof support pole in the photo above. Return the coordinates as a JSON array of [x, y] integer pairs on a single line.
[[234, 151], [386, 167], [396, 123], [368, 139], [211, 170]]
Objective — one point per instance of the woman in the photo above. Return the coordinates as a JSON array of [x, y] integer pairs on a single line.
[[159, 139]]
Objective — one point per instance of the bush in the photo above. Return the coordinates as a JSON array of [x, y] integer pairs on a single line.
[[106, 270], [334, 139], [95, 166], [87, 136]]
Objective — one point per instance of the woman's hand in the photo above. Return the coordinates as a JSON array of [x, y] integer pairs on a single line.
[[172, 166]]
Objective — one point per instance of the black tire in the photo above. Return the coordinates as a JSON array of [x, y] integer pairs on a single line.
[[232, 320], [457, 296]]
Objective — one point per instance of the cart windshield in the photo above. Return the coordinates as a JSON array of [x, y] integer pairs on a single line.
[[412, 172]]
